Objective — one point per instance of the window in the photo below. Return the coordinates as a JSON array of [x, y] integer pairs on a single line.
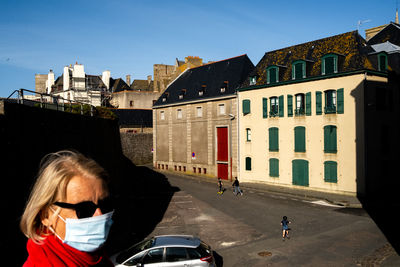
[[248, 134], [274, 103], [300, 172], [135, 260], [382, 62], [201, 92], [329, 64], [162, 115], [330, 139], [299, 139], [330, 101], [272, 74], [299, 105], [223, 89], [199, 112], [154, 256], [253, 80], [248, 164], [274, 167], [330, 171], [131, 103], [175, 254], [334, 101], [221, 109], [246, 106], [273, 139], [179, 114], [298, 70]]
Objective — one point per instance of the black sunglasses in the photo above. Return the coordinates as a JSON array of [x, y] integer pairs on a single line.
[[86, 209]]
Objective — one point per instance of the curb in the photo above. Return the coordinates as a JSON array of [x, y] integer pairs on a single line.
[[351, 202]]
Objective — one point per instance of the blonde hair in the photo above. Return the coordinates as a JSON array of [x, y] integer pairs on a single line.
[[55, 172]]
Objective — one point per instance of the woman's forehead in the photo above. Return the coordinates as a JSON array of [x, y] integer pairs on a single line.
[[82, 188]]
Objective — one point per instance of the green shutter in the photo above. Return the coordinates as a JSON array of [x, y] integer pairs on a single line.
[[265, 107], [330, 139], [273, 139], [274, 167], [290, 105], [318, 99], [300, 139], [308, 104], [248, 164], [300, 172], [340, 101], [329, 65], [281, 106], [298, 70], [246, 106], [330, 171]]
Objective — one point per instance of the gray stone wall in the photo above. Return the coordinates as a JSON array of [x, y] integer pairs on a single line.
[[137, 147]]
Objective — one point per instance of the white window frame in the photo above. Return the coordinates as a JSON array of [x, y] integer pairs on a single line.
[[248, 134], [221, 109], [199, 112], [162, 115], [179, 114]]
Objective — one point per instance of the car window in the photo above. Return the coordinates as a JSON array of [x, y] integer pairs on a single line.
[[154, 256], [135, 260], [176, 254], [193, 253], [135, 249]]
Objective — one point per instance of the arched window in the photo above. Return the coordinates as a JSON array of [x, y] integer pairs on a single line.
[[329, 64], [248, 164], [330, 139], [298, 69], [272, 74]]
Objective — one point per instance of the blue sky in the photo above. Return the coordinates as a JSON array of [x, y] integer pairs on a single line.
[[129, 36]]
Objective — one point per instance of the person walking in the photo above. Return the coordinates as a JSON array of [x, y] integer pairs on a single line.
[[220, 186], [236, 188], [285, 228]]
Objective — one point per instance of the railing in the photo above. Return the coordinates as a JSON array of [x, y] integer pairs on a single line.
[[51, 102], [299, 111], [330, 109]]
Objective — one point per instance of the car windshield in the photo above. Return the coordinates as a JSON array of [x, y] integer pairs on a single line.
[[148, 243]]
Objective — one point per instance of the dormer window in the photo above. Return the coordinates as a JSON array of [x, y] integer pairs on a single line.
[[298, 69], [164, 99], [382, 61], [201, 92], [272, 74], [253, 80], [224, 87], [329, 64], [182, 94]]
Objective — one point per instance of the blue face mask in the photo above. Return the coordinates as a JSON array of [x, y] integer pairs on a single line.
[[87, 234]]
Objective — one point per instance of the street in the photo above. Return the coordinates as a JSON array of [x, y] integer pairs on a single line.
[[245, 230]]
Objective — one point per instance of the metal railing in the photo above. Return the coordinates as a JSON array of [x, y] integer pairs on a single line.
[[51, 102]]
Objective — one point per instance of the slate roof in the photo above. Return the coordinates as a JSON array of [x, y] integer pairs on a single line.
[[118, 85], [350, 47], [208, 78], [134, 117], [390, 33], [142, 85]]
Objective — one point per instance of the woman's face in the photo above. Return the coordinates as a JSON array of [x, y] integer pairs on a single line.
[[79, 189]]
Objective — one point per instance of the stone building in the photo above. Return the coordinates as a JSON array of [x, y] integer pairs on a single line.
[[194, 120], [75, 85]]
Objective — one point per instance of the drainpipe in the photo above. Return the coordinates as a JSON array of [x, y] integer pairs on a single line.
[[231, 118]]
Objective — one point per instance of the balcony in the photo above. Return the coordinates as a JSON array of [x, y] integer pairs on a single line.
[[299, 112]]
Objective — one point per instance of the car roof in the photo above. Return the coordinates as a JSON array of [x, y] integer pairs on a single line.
[[176, 240]]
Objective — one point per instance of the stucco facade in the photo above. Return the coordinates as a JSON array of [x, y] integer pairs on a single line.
[[349, 136]]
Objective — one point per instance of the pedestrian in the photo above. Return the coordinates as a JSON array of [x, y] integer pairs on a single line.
[[220, 186], [236, 188], [68, 214], [285, 228]]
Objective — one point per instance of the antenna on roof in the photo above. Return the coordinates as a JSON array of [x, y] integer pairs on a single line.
[[361, 22]]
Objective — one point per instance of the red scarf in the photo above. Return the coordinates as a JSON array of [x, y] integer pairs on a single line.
[[52, 252]]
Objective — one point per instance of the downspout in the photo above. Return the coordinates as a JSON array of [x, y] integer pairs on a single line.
[[238, 136]]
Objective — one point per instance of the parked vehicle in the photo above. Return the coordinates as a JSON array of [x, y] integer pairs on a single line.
[[167, 250]]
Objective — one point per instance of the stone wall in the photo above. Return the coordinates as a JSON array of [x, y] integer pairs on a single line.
[[137, 147]]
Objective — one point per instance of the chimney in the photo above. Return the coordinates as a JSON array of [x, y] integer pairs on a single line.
[[397, 16], [149, 79], [66, 79], [106, 78], [50, 81], [128, 79]]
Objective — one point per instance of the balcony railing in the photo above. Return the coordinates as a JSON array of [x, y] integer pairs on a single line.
[[299, 111], [331, 109]]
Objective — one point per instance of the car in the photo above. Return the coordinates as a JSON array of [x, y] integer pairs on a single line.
[[167, 250]]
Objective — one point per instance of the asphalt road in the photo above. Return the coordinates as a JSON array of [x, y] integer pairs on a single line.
[[245, 230]]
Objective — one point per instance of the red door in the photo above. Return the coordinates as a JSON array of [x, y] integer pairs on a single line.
[[222, 152]]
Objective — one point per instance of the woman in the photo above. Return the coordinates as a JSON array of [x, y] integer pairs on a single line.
[[67, 217]]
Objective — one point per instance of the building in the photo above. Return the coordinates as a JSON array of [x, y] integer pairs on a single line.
[[194, 120], [310, 115], [75, 85]]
